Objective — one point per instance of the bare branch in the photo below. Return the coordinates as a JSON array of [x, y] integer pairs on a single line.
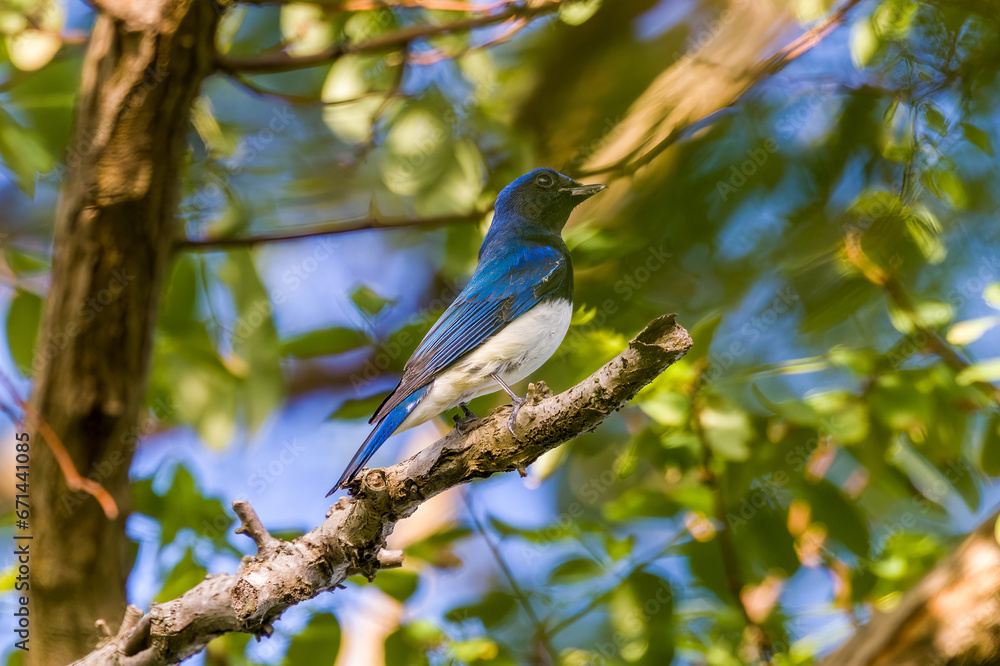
[[390, 559], [251, 526], [352, 538], [330, 229], [283, 62], [109, 648], [363, 5]]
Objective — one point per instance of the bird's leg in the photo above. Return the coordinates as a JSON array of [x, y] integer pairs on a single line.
[[462, 423], [515, 401]]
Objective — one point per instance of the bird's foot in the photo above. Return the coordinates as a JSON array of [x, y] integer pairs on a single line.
[[515, 403], [463, 423]]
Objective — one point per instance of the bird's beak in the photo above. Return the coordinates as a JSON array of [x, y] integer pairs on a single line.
[[584, 191]]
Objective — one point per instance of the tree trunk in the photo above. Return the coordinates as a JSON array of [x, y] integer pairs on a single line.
[[113, 235]]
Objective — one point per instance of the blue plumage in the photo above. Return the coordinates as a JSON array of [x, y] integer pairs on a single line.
[[506, 322]]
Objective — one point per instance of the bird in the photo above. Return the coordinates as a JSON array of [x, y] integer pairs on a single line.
[[508, 320]]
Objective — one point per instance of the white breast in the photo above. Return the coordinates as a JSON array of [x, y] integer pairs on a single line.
[[513, 353]]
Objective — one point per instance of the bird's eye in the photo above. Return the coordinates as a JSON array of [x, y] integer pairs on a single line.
[[544, 180]]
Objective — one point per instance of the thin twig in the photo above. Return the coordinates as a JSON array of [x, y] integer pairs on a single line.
[[283, 62], [597, 599], [514, 26], [540, 632], [301, 100], [331, 229], [366, 5], [894, 289], [251, 526], [72, 477], [761, 642]]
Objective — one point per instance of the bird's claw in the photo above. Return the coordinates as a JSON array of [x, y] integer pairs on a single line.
[[463, 422], [515, 403]]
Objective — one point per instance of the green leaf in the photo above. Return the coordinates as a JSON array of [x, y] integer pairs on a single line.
[[177, 309], [841, 516], [411, 644], [475, 650], [727, 431], [935, 119], [978, 138], [25, 262], [946, 186], [325, 342], [890, 112], [400, 584], [254, 339], [23, 319], [574, 571], [318, 643], [618, 549], [368, 301], [491, 611], [23, 152], [639, 502]]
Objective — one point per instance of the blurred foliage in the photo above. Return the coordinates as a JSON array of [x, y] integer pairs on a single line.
[[831, 245]]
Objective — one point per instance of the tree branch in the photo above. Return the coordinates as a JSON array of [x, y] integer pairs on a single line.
[[952, 616], [282, 62], [331, 229], [352, 538]]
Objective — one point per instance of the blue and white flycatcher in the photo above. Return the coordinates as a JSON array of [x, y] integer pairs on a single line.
[[505, 324]]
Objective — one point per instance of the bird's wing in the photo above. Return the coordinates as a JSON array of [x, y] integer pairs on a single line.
[[499, 292]]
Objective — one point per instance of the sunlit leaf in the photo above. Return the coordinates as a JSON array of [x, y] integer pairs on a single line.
[[578, 13], [986, 371], [968, 331], [864, 43]]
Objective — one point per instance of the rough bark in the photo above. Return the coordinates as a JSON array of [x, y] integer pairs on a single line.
[[352, 538], [113, 236], [951, 617]]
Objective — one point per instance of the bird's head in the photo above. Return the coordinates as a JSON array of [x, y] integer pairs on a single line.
[[544, 196]]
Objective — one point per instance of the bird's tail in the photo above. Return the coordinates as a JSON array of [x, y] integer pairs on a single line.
[[382, 431]]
